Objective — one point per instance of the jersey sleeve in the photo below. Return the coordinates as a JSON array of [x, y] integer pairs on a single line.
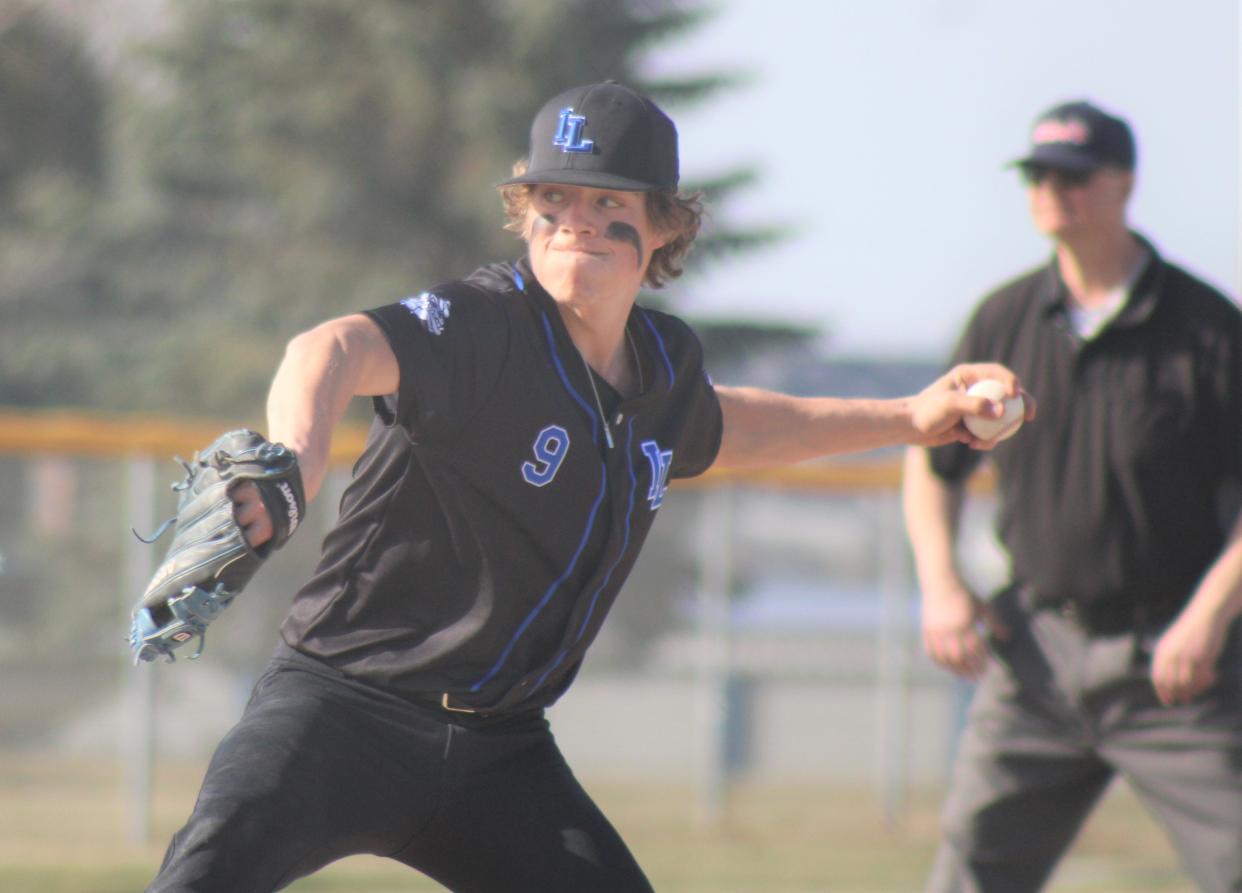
[[701, 423], [450, 344], [702, 431]]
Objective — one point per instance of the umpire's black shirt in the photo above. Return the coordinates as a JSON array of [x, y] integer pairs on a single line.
[[1121, 493], [488, 526]]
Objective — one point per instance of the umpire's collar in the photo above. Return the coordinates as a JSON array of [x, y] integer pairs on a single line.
[[1140, 303]]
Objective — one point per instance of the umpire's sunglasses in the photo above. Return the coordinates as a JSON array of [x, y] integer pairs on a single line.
[[1034, 174]]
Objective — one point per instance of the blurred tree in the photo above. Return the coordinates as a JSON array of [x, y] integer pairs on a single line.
[[729, 344], [52, 137], [284, 161], [51, 104]]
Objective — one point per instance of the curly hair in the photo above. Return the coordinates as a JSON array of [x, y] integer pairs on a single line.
[[669, 212]]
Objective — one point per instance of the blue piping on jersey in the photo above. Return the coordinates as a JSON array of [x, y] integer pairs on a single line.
[[556, 359], [625, 546], [547, 596], [586, 533], [668, 364]]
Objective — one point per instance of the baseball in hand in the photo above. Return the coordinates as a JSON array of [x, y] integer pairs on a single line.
[[1001, 427]]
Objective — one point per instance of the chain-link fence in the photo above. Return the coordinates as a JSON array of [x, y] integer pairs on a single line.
[[769, 632]]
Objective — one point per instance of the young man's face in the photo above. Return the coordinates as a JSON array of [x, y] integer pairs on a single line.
[[1064, 204], [588, 243]]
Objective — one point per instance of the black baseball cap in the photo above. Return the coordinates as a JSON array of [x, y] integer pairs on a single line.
[[602, 135], [1078, 136]]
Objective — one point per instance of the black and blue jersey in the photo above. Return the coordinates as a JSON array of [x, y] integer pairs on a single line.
[[489, 526]]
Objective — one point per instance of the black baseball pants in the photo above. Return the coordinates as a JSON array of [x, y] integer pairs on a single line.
[[321, 767]]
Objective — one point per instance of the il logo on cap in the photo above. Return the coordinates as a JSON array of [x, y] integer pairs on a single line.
[[569, 133]]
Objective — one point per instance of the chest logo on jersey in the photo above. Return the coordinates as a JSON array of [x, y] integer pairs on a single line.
[[433, 310], [661, 461]]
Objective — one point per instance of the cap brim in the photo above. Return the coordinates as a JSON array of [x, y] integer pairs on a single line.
[[1065, 158], [595, 179]]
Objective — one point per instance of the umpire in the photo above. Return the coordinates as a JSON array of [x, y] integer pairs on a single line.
[[528, 420], [1116, 644]]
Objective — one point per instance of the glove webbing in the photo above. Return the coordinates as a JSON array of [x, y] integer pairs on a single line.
[[157, 632]]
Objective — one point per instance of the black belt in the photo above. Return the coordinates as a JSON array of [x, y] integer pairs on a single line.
[[447, 704], [450, 705], [1097, 617], [443, 701], [431, 700]]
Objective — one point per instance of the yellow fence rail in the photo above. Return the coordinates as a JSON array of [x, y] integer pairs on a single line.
[[81, 433]]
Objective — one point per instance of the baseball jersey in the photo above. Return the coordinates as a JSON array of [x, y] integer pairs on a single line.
[[488, 526], [1121, 492]]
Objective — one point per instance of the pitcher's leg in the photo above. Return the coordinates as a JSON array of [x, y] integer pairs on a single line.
[[305, 778], [516, 819]]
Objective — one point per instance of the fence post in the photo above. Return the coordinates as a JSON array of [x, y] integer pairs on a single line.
[[716, 542], [138, 722], [893, 662]]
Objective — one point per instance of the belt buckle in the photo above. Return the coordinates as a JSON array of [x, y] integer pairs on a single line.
[[444, 702]]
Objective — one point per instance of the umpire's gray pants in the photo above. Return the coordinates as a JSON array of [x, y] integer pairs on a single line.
[[1055, 717]]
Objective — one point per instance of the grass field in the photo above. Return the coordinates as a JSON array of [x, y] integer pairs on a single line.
[[62, 830]]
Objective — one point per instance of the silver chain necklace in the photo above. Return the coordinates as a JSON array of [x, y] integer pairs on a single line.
[[599, 404]]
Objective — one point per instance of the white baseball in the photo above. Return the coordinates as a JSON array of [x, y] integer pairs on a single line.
[[999, 428]]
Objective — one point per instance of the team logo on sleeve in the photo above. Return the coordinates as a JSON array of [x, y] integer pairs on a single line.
[[660, 461], [433, 310]]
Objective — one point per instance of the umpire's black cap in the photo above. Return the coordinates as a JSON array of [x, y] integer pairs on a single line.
[[602, 135], [1079, 136]]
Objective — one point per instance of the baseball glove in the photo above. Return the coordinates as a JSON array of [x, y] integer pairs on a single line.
[[209, 562]]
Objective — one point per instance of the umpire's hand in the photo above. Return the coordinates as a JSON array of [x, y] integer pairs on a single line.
[[1184, 663], [955, 628]]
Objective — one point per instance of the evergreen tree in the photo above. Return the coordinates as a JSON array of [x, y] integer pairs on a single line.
[[286, 161], [52, 135]]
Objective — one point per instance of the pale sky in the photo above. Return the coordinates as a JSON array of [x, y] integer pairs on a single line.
[[882, 128]]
